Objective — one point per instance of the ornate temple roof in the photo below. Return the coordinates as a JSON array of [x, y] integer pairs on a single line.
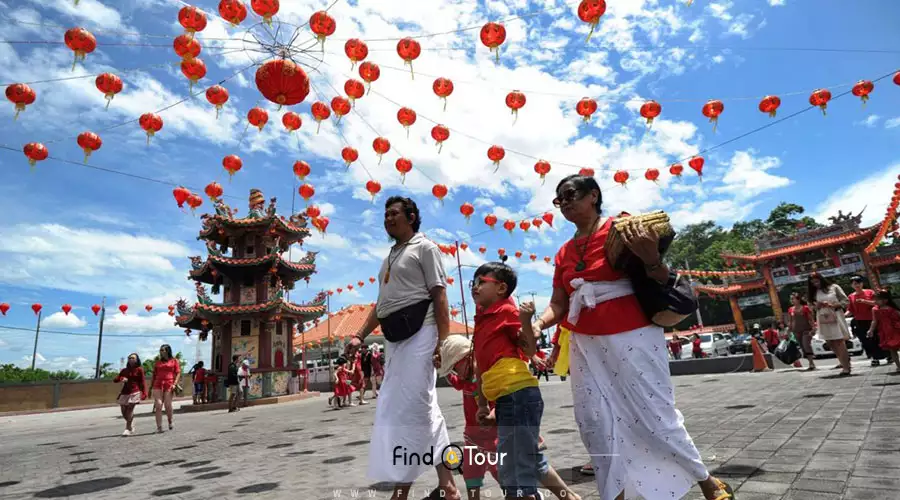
[[288, 271], [806, 246], [732, 288], [885, 260], [213, 313], [219, 227]]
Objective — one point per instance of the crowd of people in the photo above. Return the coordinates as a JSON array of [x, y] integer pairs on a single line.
[[366, 370]]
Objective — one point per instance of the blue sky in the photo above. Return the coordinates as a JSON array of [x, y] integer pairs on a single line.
[[72, 234]]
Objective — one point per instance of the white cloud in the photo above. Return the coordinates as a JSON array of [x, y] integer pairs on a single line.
[[40, 358], [61, 320], [872, 193], [870, 121], [893, 122], [777, 3], [748, 176], [132, 322]]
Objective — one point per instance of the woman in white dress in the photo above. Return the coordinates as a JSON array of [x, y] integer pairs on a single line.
[[830, 302]]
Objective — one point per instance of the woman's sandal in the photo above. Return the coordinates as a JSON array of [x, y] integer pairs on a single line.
[[723, 490]]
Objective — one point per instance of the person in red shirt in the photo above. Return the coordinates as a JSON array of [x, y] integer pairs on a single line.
[[802, 324], [886, 320], [166, 376], [675, 346], [696, 348], [771, 337], [133, 390], [198, 376], [621, 385], [862, 300]]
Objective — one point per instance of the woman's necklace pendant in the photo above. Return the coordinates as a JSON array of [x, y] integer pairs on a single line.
[[387, 276], [580, 266]]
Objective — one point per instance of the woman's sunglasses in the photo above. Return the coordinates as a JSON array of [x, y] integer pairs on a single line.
[[568, 195]]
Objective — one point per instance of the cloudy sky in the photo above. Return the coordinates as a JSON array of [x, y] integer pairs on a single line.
[[74, 233]]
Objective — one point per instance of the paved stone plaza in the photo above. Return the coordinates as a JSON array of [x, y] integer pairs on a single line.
[[779, 435]]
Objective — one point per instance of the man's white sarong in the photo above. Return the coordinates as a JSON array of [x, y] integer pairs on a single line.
[[408, 420]]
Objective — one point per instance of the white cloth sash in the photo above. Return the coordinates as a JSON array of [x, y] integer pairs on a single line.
[[588, 294]]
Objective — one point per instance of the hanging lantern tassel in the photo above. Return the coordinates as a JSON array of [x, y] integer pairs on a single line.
[[445, 103], [440, 145], [515, 113], [715, 121], [412, 74]]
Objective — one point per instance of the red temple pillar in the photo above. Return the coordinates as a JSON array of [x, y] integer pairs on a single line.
[[870, 271], [225, 349], [773, 292], [265, 345], [288, 332], [736, 312]]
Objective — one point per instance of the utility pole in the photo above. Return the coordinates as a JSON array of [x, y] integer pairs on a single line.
[[100, 339], [330, 365], [462, 292], [37, 333], [687, 267]]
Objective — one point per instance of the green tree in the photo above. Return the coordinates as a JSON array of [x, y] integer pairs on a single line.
[[149, 363], [12, 374]]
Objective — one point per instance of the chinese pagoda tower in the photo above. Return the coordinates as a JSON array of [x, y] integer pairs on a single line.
[[248, 263]]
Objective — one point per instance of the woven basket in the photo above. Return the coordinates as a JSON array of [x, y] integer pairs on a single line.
[[619, 254]]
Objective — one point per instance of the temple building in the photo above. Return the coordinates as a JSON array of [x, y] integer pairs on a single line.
[[781, 261], [249, 263]]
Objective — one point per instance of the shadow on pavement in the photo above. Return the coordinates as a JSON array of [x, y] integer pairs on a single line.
[[84, 487], [257, 488], [172, 491]]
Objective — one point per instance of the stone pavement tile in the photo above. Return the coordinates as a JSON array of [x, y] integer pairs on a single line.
[[874, 472], [809, 495], [831, 446], [766, 444], [751, 453], [821, 485], [773, 476], [796, 452], [887, 483], [869, 494], [881, 444], [822, 465], [828, 475], [890, 460], [755, 486], [783, 467]]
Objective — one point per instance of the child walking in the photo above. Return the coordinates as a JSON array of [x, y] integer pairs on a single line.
[[342, 387], [458, 365], [886, 319], [504, 341]]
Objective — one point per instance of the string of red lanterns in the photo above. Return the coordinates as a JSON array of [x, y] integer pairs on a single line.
[[37, 307], [889, 220]]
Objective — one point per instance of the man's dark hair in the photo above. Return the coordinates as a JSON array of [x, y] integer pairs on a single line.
[[856, 279], [409, 208], [235, 358], [585, 185], [502, 272]]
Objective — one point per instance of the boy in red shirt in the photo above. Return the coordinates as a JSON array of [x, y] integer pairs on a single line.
[[504, 341], [771, 337]]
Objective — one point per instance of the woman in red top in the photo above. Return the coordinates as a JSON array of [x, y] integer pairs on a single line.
[[696, 347], [886, 319], [802, 325], [166, 375], [133, 390], [675, 346], [623, 396]]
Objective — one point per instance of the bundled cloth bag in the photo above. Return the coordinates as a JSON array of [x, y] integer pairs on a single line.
[[788, 350]]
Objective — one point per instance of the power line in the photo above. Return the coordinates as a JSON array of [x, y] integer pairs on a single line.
[[76, 334]]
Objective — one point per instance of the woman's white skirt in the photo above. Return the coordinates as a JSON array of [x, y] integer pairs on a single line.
[[625, 409], [408, 420]]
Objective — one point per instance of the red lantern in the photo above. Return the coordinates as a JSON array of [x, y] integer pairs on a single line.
[[349, 155], [192, 19], [439, 191], [186, 47], [862, 89], [360, 284], [36, 308], [233, 11], [371, 279], [495, 154], [769, 104], [373, 187], [301, 169], [547, 260], [590, 12], [320, 113], [258, 117], [381, 146], [109, 84], [514, 101], [217, 95], [404, 166], [340, 106], [482, 249], [369, 72], [518, 254], [322, 25], [291, 121], [696, 163], [313, 211], [96, 309], [586, 107], [356, 50], [213, 190], [3, 308], [621, 177], [194, 201], [490, 220], [897, 78], [406, 117], [21, 95], [349, 287], [440, 134], [81, 42], [181, 194], [676, 169], [525, 225], [492, 36], [650, 110], [548, 218], [454, 312], [265, 9], [148, 308], [282, 82], [35, 152], [123, 308], [587, 172], [820, 98], [306, 192], [712, 110], [542, 168], [443, 87], [89, 142], [467, 209], [193, 70], [501, 252], [409, 50], [533, 257], [354, 89], [66, 308], [509, 225], [537, 222], [232, 164], [651, 174]]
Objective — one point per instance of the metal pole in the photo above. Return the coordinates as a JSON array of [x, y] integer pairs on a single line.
[[37, 333], [462, 292], [100, 339], [330, 366], [687, 267], [303, 360]]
